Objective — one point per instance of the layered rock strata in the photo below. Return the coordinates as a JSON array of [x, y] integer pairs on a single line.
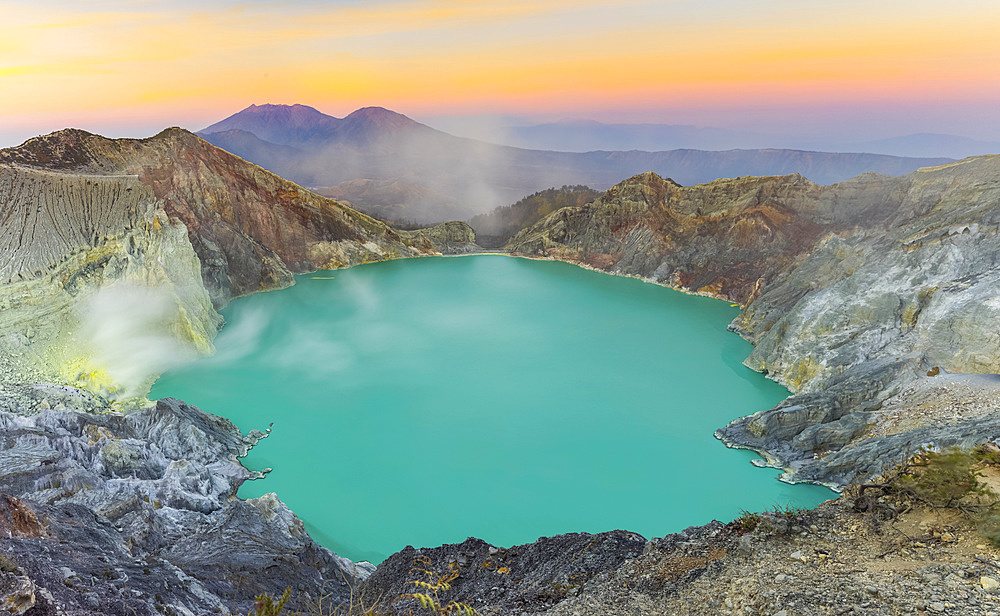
[[251, 229], [109, 514], [73, 247], [852, 293], [113, 253]]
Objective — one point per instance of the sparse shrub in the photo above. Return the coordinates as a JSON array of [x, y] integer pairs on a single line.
[[778, 520], [788, 512], [428, 590], [988, 525], [747, 521], [266, 605], [987, 453], [357, 604], [941, 479]]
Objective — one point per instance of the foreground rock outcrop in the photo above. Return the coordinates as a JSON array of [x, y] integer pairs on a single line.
[[109, 514], [528, 578], [853, 293], [835, 559]]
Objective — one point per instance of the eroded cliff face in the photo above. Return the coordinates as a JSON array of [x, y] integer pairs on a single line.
[[113, 253], [251, 229], [725, 238], [78, 253], [866, 317], [853, 293]]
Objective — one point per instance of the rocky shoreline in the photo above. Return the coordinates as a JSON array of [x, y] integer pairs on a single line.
[[852, 294], [103, 513], [830, 560]]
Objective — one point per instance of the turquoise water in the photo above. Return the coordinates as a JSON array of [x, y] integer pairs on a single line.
[[428, 400]]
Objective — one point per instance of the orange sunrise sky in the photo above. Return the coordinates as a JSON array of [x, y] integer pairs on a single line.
[[873, 68]]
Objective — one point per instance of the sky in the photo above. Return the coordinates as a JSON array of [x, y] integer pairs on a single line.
[[873, 68]]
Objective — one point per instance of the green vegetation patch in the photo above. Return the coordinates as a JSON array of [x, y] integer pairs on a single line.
[[954, 479]]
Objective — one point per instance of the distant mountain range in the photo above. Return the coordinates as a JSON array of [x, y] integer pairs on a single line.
[[585, 136], [589, 135], [305, 128], [391, 166], [931, 144]]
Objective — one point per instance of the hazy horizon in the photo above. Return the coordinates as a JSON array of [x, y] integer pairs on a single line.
[[850, 71], [493, 127]]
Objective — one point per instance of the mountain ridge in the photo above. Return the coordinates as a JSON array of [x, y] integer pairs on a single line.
[[472, 177], [291, 123], [252, 229], [302, 126], [590, 135]]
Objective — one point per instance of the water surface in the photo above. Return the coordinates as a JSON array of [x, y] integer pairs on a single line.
[[424, 401]]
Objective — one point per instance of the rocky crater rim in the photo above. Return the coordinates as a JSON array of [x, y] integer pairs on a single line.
[[863, 297]]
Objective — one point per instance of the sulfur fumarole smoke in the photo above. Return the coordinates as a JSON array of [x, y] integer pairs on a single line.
[[131, 335]]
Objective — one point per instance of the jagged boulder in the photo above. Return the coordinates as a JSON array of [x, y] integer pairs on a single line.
[[524, 578], [134, 514]]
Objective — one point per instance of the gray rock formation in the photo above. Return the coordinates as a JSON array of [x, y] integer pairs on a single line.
[[47, 216], [98, 288], [863, 317], [136, 514], [527, 578], [853, 292]]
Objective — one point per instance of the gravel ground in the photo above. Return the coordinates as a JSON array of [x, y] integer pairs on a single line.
[[831, 560], [947, 398]]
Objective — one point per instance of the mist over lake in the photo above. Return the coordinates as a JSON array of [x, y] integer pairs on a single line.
[[423, 401]]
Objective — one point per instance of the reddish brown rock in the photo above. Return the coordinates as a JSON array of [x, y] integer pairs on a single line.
[[251, 229]]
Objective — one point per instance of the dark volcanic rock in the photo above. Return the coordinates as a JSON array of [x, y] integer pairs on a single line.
[[525, 578], [113, 514]]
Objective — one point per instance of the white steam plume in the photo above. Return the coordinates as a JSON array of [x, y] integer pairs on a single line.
[[130, 334]]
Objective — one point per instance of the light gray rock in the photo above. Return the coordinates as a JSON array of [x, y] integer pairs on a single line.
[[852, 291], [137, 513]]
